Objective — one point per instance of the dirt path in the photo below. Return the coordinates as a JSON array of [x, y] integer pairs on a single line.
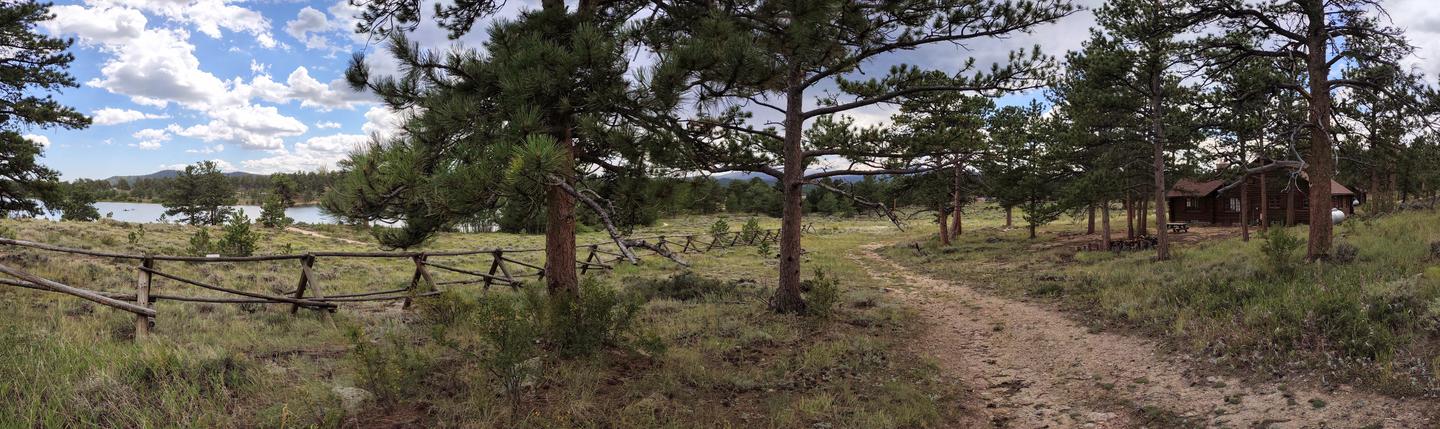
[[1035, 368], [319, 235]]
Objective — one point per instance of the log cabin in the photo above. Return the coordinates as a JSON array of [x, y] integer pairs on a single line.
[[1192, 201]]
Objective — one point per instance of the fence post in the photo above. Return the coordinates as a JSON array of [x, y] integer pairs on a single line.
[[585, 266], [414, 279], [713, 239], [305, 264], [689, 239], [494, 265], [142, 297]]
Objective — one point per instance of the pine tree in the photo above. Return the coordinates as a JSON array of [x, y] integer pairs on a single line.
[[32, 66], [773, 55], [539, 101], [1330, 36], [201, 195]]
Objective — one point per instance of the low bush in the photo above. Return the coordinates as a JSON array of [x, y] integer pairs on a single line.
[[1279, 249], [1345, 253], [684, 286], [238, 240], [200, 244], [822, 294], [498, 331], [388, 367]]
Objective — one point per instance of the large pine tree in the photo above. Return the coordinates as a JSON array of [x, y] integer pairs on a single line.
[[32, 66], [774, 55]]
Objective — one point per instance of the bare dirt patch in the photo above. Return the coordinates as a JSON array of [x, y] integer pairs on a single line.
[[1035, 368]]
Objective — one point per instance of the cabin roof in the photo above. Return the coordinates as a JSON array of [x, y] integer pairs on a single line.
[[1335, 187], [1191, 188]]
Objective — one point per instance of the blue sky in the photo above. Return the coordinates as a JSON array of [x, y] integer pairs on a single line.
[[258, 85]]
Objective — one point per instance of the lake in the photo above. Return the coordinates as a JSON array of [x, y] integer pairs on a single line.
[[150, 213]]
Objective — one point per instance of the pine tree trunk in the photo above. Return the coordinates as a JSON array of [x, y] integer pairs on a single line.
[[1105, 225], [1008, 212], [1090, 227], [1129, 218], [1264, 203], [943, 219], [1245, 209], [1157, 130], [1322, 161], [787, 294], [957, 196], [958, 227], [1031, 227], [1143, 225], [560, 277]]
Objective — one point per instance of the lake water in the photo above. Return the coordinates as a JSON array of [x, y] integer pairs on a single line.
[[150, 213]]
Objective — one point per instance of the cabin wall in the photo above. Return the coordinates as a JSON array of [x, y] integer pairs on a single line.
[[1216, 208]]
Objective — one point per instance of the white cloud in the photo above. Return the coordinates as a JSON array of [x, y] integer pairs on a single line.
[[146, 145], [112, 116], [310, 26], [207, 149], [224, 165], [99, 25], [311, 93], [382, 122], [250, 126], [327, 124], [37, 139], [207, 16], [259, 68], [316, 153]]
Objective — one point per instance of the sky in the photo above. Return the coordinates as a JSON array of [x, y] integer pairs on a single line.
[[258, 86]]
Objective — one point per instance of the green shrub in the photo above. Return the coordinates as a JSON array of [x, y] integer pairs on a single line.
[[6, 232], [719, 229], [684, 286], [387, 367], [200, 244], [272, 214], [499, 331], [750, 231], [1279, 249], [581, 325], [239, 240], [134, 237], [823, 295], [1345, 253]]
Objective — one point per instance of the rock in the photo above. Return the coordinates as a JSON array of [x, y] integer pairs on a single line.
[[352, 398]]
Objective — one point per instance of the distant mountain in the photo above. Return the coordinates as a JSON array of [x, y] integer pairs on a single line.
[[170, 174]]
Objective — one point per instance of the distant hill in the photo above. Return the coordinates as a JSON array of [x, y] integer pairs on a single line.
[[169, 174]]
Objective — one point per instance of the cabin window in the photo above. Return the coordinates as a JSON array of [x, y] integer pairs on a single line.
[[1233, 205], [1191, 203]]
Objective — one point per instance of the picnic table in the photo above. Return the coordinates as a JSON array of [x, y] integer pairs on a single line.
[[1178, 227]]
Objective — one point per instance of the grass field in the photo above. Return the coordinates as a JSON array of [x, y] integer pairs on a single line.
[[1372, 321], [725, 362]]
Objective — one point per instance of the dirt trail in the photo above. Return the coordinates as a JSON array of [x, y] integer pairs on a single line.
[[1034, 368], [319, 235]]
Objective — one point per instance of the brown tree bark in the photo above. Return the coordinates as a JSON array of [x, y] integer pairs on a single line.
[[1105, 225], [1264, 203], [1090, 227], [1143, 225], [787, 295], [957, 196], [943, 219], [1245, 210], [1129, 218], [1322, 160], [1008, 212], [560, 276], [1157, 132]]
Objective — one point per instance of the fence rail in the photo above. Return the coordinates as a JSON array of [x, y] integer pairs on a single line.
[[504, 270]]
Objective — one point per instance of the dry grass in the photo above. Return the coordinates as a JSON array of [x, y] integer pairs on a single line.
[[727, 362]]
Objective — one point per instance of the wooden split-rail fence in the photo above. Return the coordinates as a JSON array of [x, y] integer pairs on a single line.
[[504, 270]]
